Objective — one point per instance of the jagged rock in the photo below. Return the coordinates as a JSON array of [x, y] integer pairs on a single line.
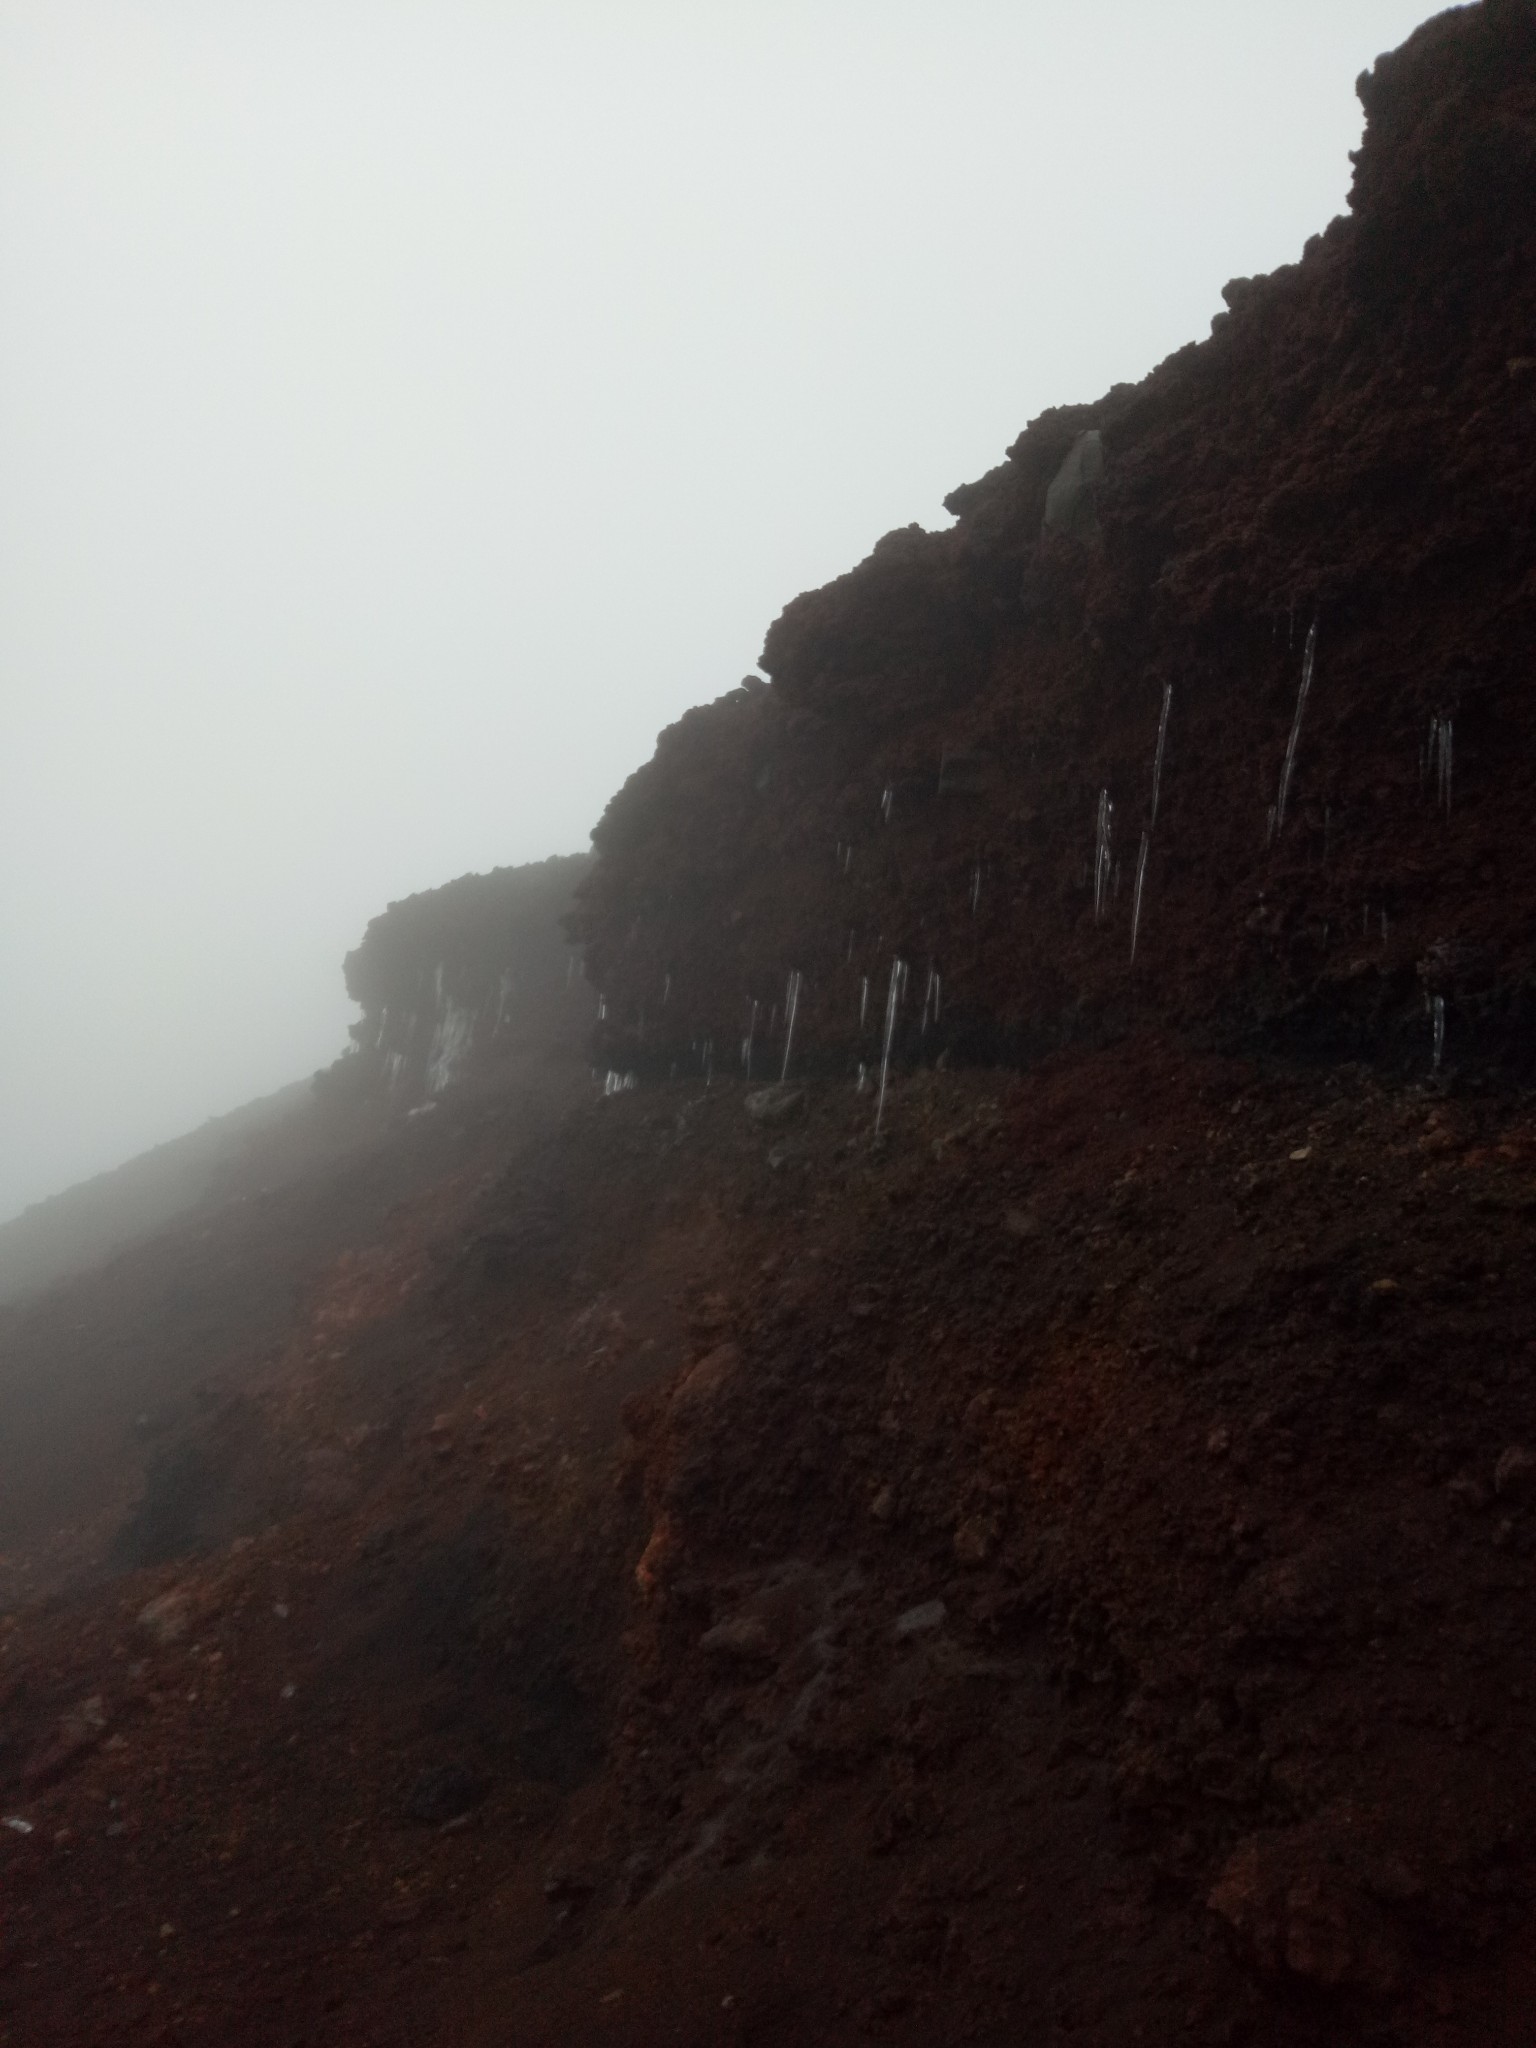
[[976, 1539], [1293, 1914], [444, 1792], [78, 1732], [744, 1639], [775, 1105], [920, 1620], [166, 1618], [1515, 1474]]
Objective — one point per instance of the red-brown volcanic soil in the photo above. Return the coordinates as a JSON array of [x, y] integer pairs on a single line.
[[1197, 1392], [675, 1567]]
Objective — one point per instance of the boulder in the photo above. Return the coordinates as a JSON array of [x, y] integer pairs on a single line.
[[775, 1105]]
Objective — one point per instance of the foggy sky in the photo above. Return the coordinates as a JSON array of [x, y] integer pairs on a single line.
[[407, 409]]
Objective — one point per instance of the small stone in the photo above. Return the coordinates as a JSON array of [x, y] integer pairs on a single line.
[[1302, 1152], [976, 1539], [1384, 1287], [920, 1620], [444, 1792], [775, 1105], [1515, 1473], [742, 1640], [78, 1732], [167, 1618]]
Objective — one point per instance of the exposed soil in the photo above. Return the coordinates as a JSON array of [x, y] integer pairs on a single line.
[[1197, 1392]]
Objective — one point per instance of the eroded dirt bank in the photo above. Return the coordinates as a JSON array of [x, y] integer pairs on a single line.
[[1065, 1573]]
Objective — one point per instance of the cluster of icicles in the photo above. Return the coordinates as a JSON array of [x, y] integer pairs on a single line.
[[1435, 766], [1103, 849]]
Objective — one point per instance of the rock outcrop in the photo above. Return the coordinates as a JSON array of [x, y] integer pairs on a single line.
[[1335, 484], [464, 973]]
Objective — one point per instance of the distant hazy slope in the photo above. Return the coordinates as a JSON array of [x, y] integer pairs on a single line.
[[77, 1229], [450, 982]]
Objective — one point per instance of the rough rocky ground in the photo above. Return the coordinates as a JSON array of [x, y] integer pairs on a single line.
[[1064, 1572]]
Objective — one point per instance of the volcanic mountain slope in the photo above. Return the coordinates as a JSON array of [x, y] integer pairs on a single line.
[[680, 1568]]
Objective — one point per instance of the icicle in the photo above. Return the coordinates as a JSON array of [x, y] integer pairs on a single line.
[[746, 1043], [666, 991], [863, 1000], [792, 1000], [602, 1008], [863, 1083], [1439, 1030], [1101, 854], [1289, 764], [892, 1005], [709, 1061], [887, 798], [1141, 876], [1269, 827], [975, 888], [847, 857], [931, 995], [1162, 741], [1440, 761]]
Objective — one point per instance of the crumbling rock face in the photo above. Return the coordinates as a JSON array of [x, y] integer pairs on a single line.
[[1351, 448], [458, 973]]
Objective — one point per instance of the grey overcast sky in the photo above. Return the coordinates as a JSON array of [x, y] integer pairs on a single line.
[[408, 407]]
